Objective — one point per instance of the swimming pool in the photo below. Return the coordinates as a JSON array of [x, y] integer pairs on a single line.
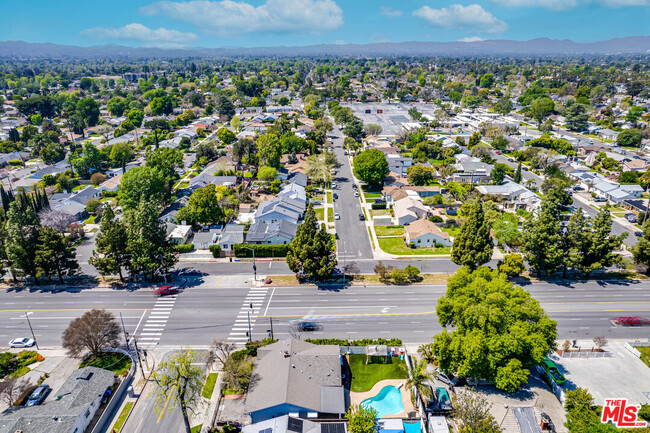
[[387, 402], [412, 427]]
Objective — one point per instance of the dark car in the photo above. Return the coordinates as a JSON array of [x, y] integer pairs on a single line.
[[361, 217], [638, 234], [336, 196], [631, 217], [451, 211], [552, 371], [38, 395], [166, 290], [379, 201], [630, 321], [307, 326]]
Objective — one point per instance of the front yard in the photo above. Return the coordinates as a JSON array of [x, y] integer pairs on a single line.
[[396, 245], [320, 214], [364, 377], [117, 362], [389, 230]]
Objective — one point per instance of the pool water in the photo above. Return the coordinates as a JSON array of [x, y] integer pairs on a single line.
[[387, 402], [412, 427]]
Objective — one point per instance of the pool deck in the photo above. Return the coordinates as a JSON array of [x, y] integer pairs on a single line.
[[357, 397]]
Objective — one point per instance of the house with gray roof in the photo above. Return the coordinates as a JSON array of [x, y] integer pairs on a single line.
[[232, 234], [293, 376], [282, 207], [74, 408], [471, 170], [277, 233], [290, 424]]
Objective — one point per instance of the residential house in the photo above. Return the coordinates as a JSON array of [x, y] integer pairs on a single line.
[[408, 210], [203, 240], [515, 196], [282, 207], [74, 203], [278, 233], [72, 411], [180, 234], [111, 184], [296, 377], [424, 233], [231, 235], [290, 424], [471, 170], [637, 164], [399, 164], [207, 177]]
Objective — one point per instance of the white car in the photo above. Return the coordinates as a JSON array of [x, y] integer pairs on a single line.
[[333, 185], [356, 193], [22, 342], [337, 216]]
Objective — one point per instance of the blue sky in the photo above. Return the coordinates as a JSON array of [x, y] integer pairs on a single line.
[[254, 23]]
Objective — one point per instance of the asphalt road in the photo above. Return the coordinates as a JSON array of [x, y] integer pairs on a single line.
[[354, 239], [204, 312]]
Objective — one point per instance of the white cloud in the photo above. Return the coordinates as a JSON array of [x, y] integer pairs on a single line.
[[471, 39], [390, 12], [459, 17], [229, 17], [560, 5], [142, 34]]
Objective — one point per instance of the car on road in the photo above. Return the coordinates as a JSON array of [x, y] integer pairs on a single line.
[[22, 342], [362, 217], [552, 372], [631, 217], [333, 185], [305, 326], [630, 321], [638, 234], [335, 196], [337, 216], [38, 395], [356, 193], [166, 290], [451, 211]]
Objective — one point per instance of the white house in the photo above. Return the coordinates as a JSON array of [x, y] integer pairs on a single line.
[[408, 210], [424, 233], [180, 234]]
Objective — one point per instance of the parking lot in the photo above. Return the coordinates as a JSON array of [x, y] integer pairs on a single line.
[[621, 376]]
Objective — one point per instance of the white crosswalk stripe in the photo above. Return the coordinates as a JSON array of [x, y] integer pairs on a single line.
[[255, 298], [156, 321]]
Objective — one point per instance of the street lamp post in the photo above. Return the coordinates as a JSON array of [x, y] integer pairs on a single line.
[[126, 338], [250, 331], [31, 329], [162, 266]]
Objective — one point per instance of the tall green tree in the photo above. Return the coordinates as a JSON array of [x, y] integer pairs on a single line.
[[371, 166], [224, 106], [599, 244], [203, 206], [517, 177], [165, 160], [111, 246], [541, 108], [121, 153], [541, 238], [361, 419], [419, 379], [269, 150], [22, 228], [147, 242], [499, 329], [142, 183], [311, 250], [53, 257], [88, 109], [576, 117], [473, 246]]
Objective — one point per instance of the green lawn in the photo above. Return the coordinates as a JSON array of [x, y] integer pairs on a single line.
[[372, 195], [329, 197], [378, 212], [365, 376], [90, 220], [122, 418], [453, 231], [645, 354], [197, 428], [208, 388], [181, 185], [330, 214], [389, 230], [398, 247], [320, 212], [114, 361]]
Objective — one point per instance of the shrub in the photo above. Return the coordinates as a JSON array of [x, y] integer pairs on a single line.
[[15, 162], [110, 194], [97, 178], [435, 219], [379, 205], [241, 250], [362, 342], [413, 273], [183, 248], [399, 276], [512, 265], [215, 250]]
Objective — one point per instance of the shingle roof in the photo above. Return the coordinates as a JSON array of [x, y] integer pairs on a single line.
[[422, 227], [260, 231]]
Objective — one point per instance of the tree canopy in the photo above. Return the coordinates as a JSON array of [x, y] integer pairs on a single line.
[[371, 166]]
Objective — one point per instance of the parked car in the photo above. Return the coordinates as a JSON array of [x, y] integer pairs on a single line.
[[22, 342], [577, 188], [333, 185], [631, 217], [335, 196], [552, 372], [451, 211], [166, 290], [337, 216], [356, 193], [38, 395], [362, 217], [379, 201], [442, 377], [630, 321], [638, 234], [600, 199]]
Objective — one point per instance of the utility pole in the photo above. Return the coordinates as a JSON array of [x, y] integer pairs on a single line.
[[271, 320], [126, 338], [254, 265], [31, 329], [137, 352], [162, 266], [250, 332]]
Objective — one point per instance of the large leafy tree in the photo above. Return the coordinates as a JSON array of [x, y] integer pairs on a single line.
[[179, 381], [53, 257], [93, 332], [22, 229], [541, 108], [203, 206], [583, 416], [88, 109], [473, 410], [224, 106], [361, 419], [576, 117], [121, 153], [311, 250], [473, 246], [499, 329], [147, 242], [142, 183], [111, 254], [541, 238], [90, 159], [165, 160], [269, 150], [641, 250], [371, 166]]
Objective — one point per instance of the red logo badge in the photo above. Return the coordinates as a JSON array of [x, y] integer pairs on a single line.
[[620, 414]]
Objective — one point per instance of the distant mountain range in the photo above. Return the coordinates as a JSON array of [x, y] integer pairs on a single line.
[[639, 45]]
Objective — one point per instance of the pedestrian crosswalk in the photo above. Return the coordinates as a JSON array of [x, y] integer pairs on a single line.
[[251, 307], [155, 324]]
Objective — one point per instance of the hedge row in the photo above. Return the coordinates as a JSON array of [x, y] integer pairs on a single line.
[[183, 248], [215, 250], [362, 342], [241, 250], [379, 205]]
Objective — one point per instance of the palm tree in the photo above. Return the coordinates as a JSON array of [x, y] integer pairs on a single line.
[[418, 379]]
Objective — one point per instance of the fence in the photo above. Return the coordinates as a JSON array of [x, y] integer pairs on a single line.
[[116, 401], [634, 352], [586, 354]]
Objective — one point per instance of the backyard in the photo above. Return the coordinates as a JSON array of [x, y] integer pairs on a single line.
[[114, 361], [396, 245], [364, 377]]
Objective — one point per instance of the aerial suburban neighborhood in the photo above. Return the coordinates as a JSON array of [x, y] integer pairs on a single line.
[[324, 235]]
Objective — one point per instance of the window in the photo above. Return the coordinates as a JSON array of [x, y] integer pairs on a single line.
[[87, 413]]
